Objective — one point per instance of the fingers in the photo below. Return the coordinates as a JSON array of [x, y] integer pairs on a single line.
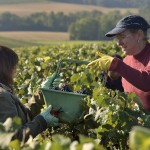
[[107, 64], [55, 120], [90, 64], [93, 63], [53, 75], [100, 54], [57, 80], [49, 107]]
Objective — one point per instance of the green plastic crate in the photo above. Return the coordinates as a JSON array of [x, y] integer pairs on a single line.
[[71, 103]]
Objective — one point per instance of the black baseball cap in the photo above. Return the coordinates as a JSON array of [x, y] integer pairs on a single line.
[[129, 22]]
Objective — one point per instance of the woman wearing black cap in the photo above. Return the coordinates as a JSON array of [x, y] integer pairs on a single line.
[[131, 33]]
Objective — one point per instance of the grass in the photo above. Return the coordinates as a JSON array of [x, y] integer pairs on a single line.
[[12, 43], [23, 39], [35, 36]]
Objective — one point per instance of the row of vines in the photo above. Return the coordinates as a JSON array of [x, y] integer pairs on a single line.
[[111, 119]]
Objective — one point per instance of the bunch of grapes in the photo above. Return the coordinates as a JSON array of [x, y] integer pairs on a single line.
[[60, 84]]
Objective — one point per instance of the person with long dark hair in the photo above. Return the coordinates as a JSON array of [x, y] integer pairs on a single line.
[[33, 120]]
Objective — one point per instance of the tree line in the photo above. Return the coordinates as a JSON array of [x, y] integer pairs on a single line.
[[81, 26], [109, 3]]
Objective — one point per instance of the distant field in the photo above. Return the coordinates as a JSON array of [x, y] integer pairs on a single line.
[[28, 7], [24, 9], [25, 39], [15, 43], [18, 1], [19, 39], [36, 36]]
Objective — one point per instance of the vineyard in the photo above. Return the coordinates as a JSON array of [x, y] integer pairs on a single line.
[[110, 120]]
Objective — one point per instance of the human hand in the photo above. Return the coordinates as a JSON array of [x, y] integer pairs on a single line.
[[50, 119], [47, 83], [101, 64]]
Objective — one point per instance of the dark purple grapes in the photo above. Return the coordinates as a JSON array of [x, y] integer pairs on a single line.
[[63, 88], [66, 88]]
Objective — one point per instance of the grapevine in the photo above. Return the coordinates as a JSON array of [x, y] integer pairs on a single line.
[[108, 116]]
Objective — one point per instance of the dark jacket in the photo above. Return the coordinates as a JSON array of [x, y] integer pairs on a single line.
[[10, 106]]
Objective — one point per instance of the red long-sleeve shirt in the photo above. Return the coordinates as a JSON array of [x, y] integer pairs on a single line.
[[135, 72]]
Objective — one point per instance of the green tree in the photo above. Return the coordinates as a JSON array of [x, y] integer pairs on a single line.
[[85, 29], [107, 22], [9, 21]]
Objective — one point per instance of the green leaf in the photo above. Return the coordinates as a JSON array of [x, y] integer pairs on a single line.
[[137, 138], [5, 139], [15, 144], [75, 77]]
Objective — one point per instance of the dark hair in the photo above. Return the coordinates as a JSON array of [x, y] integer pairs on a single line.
[[8, 61]]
